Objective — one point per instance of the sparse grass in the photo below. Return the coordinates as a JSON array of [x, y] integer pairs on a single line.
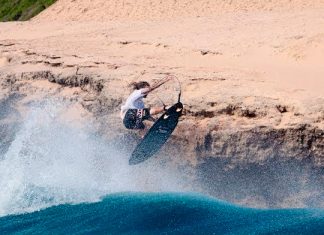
[[13, 10]]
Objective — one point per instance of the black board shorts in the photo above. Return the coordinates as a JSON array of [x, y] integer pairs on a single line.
[[134, 118]]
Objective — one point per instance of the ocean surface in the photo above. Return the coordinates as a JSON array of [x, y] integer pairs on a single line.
[[58, 178], [163, 213]]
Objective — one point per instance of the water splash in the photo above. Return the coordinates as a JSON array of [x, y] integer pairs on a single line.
[[51, 162]]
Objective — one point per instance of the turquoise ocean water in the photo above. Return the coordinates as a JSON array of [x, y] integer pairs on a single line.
[[163, 213]]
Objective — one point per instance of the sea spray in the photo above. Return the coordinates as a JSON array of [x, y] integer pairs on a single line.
[[52, 162]]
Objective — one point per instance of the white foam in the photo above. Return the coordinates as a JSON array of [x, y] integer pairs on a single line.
[[50, 163]]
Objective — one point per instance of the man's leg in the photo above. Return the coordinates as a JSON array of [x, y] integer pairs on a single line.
[[143, 132], [139, 122], [144, 115], [156, 110]]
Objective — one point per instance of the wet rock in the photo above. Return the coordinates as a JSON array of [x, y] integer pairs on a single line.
[[261, 143]]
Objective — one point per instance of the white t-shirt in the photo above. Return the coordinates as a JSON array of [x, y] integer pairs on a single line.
[[134, 101]]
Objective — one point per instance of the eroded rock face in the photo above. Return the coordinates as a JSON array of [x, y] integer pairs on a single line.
[[199, 135], [261, 143], [230, 158]]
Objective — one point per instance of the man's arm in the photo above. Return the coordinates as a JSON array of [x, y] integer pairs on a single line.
[[157, 84]]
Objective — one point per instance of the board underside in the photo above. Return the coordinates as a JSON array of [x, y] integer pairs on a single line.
[[157, 135]]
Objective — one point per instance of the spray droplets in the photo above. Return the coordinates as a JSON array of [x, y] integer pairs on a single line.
[[51, 162]]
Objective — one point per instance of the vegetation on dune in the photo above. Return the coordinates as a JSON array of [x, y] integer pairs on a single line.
[[12, 10]]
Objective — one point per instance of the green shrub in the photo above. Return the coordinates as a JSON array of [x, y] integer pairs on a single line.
[[22, 9]]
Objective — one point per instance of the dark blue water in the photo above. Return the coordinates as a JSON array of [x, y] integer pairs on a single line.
[[163, 213]]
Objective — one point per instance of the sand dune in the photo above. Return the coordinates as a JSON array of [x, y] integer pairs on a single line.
[[158, 9]]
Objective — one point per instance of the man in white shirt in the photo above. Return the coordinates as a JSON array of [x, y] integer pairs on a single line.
[[133, 112]]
